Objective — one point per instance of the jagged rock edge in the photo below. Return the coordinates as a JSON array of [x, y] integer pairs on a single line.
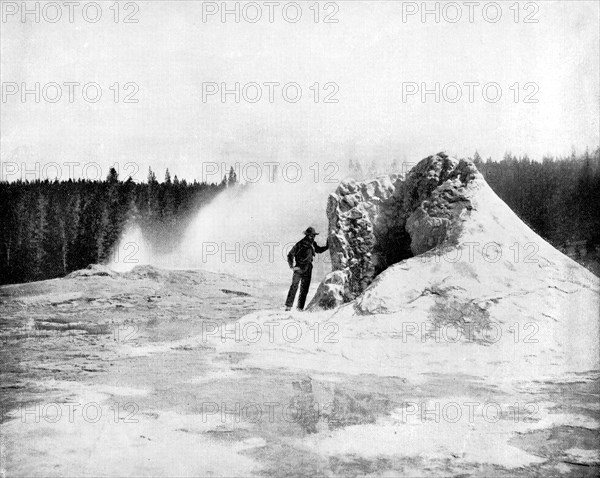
[[428, 208]]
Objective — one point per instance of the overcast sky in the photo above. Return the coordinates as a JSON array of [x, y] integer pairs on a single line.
[[369, 56]]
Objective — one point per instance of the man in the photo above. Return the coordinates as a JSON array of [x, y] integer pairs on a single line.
[[303, 253]]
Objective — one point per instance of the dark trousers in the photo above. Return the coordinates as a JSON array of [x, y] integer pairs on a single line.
[[301, 277]]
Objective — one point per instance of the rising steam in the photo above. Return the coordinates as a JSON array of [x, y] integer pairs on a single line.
[[246, 231], [132, 250]]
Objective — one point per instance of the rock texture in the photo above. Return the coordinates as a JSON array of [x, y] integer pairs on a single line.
[[483, 302], [93, 270], [476, 269], [377, 223]]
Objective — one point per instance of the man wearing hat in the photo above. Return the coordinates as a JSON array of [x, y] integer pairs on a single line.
[[302, 253]]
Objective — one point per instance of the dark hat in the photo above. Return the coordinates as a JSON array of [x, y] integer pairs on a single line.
[[310, 230]]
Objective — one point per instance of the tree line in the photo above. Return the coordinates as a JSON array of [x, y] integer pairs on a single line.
[[559, 198], [50, 228]]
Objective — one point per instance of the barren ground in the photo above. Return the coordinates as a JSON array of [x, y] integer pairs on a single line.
[[111, 376]]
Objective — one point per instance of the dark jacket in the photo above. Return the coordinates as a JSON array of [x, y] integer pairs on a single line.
[[304, 251]]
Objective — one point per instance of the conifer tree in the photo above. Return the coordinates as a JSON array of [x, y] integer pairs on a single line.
[[232, 179]]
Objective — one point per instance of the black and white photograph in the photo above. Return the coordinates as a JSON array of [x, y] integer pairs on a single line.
[[312, 238]]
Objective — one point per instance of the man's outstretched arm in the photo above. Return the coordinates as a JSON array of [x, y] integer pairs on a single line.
[[320, 249]]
